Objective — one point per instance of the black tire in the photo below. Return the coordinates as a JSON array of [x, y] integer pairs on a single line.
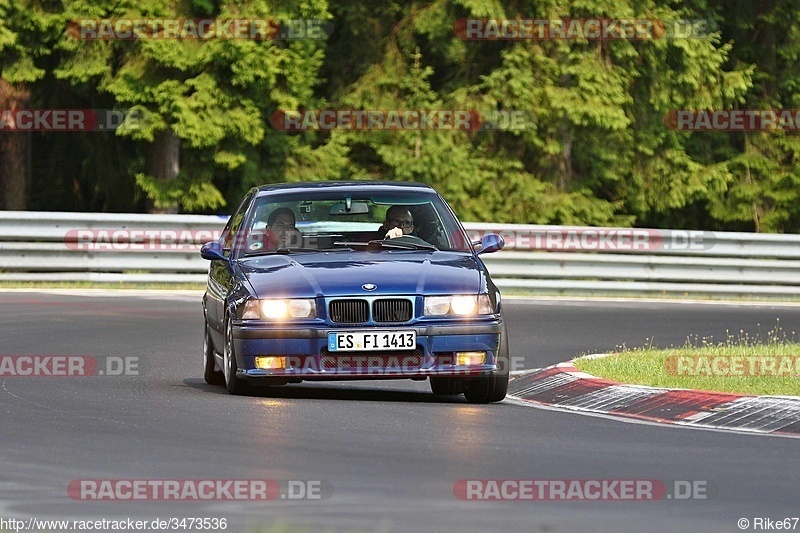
[[494, 388], [210, 373], [446, 386], [234, 384]]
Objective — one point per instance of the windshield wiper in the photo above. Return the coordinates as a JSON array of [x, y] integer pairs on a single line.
[[404, 245], [350, 244], [381, 244], [280, 251], [292, 249]]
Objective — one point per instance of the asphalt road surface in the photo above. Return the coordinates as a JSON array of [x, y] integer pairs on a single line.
[[380, 456]]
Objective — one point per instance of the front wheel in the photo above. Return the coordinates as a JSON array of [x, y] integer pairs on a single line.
[[234, 384], [494, 388], [210, 372]]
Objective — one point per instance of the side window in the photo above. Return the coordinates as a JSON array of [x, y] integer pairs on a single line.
[[429, 227], [235, 222]]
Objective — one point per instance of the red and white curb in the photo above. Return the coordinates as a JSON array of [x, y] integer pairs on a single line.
[[565, 386]]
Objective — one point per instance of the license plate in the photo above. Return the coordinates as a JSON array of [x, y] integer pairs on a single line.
[[365, 341]]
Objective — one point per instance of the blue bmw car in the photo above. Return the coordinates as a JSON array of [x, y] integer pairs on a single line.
[[352, 280]]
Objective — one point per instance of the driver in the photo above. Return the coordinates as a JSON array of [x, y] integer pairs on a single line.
[[398, 222]]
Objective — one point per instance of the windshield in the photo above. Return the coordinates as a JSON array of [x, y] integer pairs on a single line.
[[327, 219]]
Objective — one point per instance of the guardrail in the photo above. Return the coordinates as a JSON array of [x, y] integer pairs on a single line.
[[46, 246]]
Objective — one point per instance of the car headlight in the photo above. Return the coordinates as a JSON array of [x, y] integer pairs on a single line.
[[459, 305], [280, 309]]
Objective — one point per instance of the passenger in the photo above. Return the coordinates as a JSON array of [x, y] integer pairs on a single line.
[[280, 232]]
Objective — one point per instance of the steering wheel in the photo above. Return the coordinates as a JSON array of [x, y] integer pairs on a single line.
[[432, 233], [410, 239]]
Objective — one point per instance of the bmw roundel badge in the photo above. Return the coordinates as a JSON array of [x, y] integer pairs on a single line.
[[369, 286]]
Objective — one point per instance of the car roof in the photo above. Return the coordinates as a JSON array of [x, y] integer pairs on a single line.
[[350, 186]]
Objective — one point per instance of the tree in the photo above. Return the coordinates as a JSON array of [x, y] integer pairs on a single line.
[[26, 29], [199, 103], [595, 149], [764, 191]]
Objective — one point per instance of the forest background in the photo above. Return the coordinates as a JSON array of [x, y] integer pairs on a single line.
[[595, 148]]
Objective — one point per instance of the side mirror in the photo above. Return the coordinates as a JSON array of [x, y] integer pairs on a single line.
[[212, 251], [491, 242]]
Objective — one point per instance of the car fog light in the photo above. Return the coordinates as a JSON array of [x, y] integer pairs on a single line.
[[470, 358], [270, 362]]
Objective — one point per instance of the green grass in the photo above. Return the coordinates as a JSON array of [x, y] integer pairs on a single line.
[[739, 364]]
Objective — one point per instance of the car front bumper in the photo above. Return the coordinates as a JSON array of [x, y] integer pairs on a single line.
[[307, 358]]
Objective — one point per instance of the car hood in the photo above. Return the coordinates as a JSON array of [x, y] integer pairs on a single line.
[[344, 273]]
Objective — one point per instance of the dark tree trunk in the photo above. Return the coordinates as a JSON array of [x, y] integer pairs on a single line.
[[765, 39], [14, 151], [565, 170], [164, 163]]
